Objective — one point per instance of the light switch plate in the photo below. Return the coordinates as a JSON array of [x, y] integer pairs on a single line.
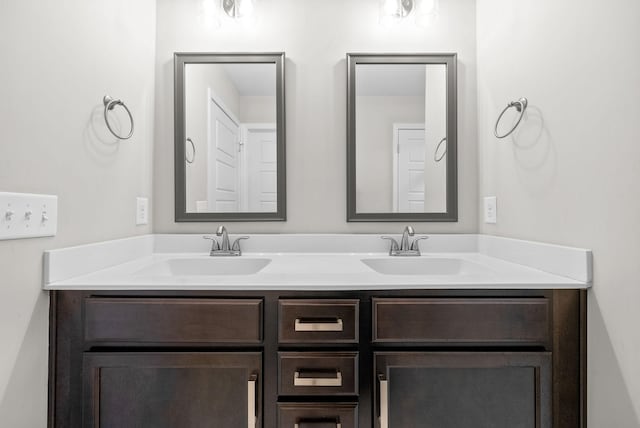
[[27, 215], [142, 211], [490, 210]]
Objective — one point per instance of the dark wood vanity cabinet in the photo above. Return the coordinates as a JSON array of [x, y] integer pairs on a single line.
[[383, 359]]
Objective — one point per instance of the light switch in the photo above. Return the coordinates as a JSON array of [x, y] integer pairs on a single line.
[[27, 215], [142, 211], [490, 210]]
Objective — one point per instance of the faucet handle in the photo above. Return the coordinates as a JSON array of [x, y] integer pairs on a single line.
[[415, 246], [394, 243], [214, 242], [236, 243]]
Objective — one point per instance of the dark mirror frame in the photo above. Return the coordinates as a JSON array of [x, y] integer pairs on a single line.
[[448, 59], [182, 59]]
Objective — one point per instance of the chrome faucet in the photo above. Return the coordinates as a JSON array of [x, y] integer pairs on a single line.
[[224, 248], [407, 247]]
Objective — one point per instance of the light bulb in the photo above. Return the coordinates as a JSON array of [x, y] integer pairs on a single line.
[[390, 7], [245, 7], [427, 12], [209, 14]]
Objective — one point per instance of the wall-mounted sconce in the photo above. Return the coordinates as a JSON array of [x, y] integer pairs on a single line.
[[396, 11], [214, 12], [237, 8]]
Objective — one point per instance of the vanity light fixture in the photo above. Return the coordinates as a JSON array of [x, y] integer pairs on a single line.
[[238, 8], [395, 11], [214, 12]]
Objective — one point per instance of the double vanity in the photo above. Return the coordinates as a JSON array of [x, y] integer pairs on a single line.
[[310, 331], [317, 331]]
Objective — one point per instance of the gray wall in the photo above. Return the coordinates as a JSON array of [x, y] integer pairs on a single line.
[[316, 35], [571, 175], [58, 62]]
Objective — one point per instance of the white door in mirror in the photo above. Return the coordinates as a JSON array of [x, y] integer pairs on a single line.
[[26, 215]]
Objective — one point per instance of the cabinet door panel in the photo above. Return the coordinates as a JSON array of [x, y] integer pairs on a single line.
[[453, 390], [171, 390]]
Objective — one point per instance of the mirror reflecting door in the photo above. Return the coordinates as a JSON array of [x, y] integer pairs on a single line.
[[402, 139], [229, 137]]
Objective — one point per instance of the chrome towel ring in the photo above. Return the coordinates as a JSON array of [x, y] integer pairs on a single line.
[[521, 107], [110, 104], [193, 147], [435, 153]]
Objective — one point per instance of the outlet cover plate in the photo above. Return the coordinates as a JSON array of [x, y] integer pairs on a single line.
[[142, 211], [490, 210]]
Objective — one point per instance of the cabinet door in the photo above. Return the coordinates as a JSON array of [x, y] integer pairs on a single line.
[[463, 389], [168, 390]]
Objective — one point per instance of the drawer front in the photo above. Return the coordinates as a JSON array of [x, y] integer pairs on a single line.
[[487, 321], [317, 415], [173, 321], [318, 321], [318, 373]]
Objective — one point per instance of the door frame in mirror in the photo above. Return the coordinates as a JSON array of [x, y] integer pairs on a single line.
[[448, 59], [181, 59]]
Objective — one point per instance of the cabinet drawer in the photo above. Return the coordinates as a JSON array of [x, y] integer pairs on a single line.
[[168, 320], [487, 321], [318, 373], [317, 415], [318, 321]]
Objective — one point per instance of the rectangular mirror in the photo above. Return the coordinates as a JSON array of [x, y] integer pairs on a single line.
[[229, 137], [402, 139]]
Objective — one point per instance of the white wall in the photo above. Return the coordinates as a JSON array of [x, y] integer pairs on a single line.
[[58, 62], [435, 175], [315, 35], [258, 109], [571, 175]]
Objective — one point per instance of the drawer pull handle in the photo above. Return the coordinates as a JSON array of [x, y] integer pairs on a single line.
[[297, 425], [384, 402], [252, 420], [333, 325], [317, 381]]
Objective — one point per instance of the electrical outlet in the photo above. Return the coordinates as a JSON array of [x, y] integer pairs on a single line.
[[142, 211], [490, 210], [26, 215]]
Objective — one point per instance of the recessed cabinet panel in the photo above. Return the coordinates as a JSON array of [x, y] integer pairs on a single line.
[[317, 415], [168, 390], [482, 390], [485, 321], [166, 320], [318, 321]]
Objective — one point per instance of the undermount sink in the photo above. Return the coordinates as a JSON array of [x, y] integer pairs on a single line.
[[205, 266], [422, 266]]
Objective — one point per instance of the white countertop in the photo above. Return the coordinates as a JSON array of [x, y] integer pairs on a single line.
[[487, 263]]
